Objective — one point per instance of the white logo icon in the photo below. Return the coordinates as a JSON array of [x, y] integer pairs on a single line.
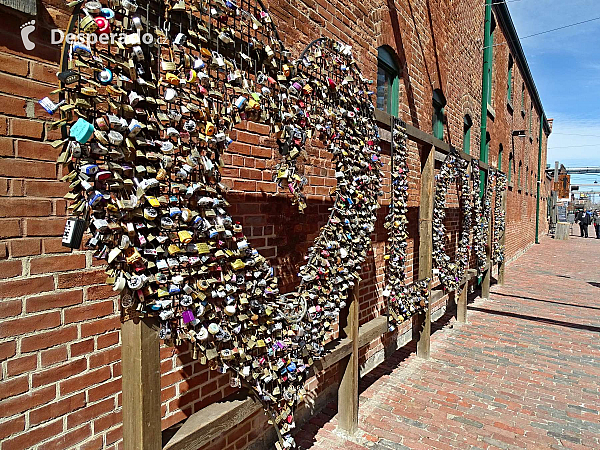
[[26, 29]]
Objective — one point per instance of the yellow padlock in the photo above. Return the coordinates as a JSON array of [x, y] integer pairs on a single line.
[[210, 129], [172, 79], [161, 175], [238, 264], [132, 255], [153, 201], [88, 24], [173, 249], [202, 248], [185, 237]]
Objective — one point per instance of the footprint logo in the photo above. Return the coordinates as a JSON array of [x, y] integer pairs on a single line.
[[26, 29]]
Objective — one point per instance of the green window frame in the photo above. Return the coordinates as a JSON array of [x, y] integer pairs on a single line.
[[511, 163], [519, 175], [468, 124], [388, 75], [509, 80], [439, 104]]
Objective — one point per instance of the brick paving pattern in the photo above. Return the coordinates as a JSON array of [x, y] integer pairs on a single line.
[[524, 372]]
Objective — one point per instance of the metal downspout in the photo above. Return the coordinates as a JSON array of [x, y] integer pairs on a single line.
[[485, 93], [485, 87]]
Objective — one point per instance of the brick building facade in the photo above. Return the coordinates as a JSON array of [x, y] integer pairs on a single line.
[[59, 326]]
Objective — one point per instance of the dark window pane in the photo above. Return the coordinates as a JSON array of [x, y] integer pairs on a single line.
[[383, 87]]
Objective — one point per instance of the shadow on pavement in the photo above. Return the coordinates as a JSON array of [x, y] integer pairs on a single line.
[[548, 301], [559, 323]]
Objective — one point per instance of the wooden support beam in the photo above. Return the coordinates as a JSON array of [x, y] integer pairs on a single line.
[[422, 327], [348, 390], [141, 385], [421, 137], [461, 304], [487, 276]]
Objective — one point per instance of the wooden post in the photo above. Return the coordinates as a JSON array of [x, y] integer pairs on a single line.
[[348, 390], [422, 330], [461, 299], [502, 265], [487, 277], [461, 304], [141, 385]]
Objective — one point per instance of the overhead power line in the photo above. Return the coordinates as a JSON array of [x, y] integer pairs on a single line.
[[548, 31], [561, 28], [575, 134], [574, 146]]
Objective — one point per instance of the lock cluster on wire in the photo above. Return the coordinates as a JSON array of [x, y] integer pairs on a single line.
[[479, 232], [476, 213], [403, 301], [453, 171], [499, 219], [148, 123]]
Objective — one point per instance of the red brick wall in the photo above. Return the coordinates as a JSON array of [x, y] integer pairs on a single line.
[[521, 200], [59, 329]]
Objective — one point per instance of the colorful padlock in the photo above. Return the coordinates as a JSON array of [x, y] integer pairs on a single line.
[[82, 130]]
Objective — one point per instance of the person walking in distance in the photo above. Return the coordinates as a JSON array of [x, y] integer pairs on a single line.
[[583, 219], [596, 221]]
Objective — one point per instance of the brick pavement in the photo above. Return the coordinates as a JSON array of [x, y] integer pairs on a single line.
[[523, 373]]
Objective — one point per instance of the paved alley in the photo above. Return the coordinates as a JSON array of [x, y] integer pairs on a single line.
[[524, 372]]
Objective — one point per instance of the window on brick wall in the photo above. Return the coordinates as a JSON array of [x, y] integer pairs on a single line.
[[468, 124], [490, 58], [439, 105], [486, 149], [530, 119], [509, 80], [500, 151], [522, 98], [387, 81], [527, 178], [511, 168], [519, 174], [24, 6]]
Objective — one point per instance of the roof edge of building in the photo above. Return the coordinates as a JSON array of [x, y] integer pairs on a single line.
[[505, 20]]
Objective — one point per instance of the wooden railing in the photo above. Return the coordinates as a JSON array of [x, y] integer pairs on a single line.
[[140, 343]]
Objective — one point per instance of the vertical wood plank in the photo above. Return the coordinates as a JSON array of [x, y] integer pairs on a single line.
[[348, 389], [502, 265], [141, 385], [487, 277], [461, 304], [422, 330]]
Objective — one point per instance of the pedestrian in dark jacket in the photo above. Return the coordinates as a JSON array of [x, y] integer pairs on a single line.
[[583, 219], [596, 222]]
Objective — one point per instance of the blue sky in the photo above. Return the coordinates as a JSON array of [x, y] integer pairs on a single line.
[[566, 68]]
